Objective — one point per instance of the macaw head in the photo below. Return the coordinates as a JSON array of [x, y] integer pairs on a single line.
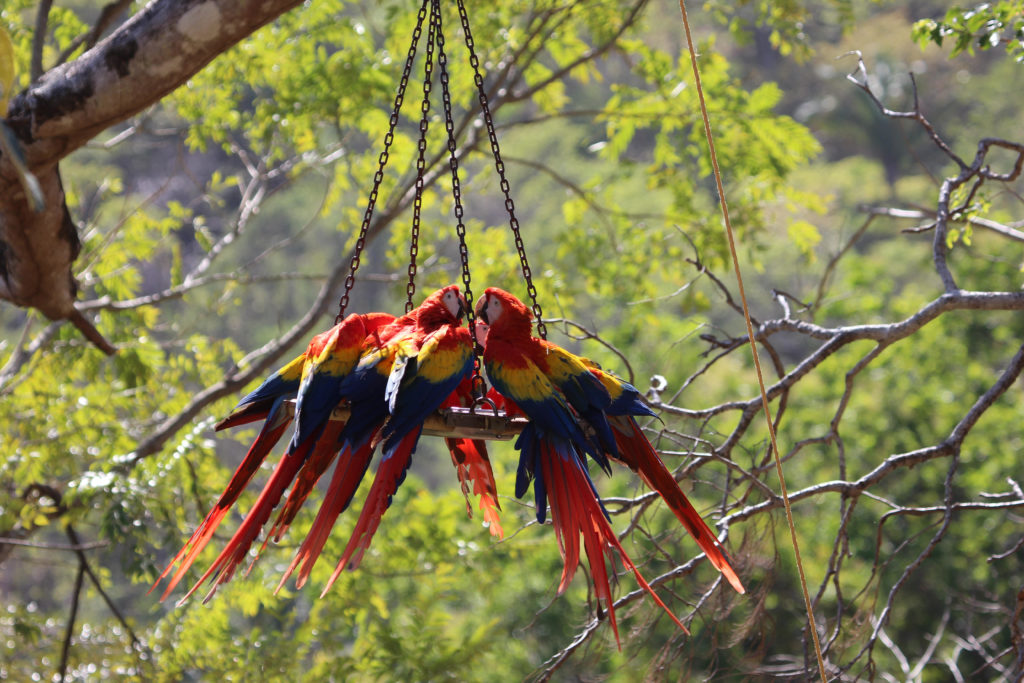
[[446, 306], [503, 313]]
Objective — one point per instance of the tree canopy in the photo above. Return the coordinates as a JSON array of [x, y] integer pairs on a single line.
[[203, 170]]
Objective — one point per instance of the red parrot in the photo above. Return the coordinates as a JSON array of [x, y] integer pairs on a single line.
[[427, 366], [264, 403], [557, 390], [392, 390], [325, 354], [552, 445], [319, 394]]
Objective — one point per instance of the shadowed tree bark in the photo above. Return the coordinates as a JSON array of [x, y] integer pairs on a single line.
[[144, 59]]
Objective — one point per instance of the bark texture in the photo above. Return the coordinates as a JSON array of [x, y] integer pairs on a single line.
[[148, 56]]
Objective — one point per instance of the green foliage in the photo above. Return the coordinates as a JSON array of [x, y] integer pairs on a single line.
[[607, 162], [982, 27]]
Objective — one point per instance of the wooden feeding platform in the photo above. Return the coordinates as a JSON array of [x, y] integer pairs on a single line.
[[458, 423]]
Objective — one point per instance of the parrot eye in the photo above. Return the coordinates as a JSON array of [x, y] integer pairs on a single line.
[[493, 310]]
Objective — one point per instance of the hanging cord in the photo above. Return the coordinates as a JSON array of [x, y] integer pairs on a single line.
[[753, 344], [479, 386], [499, 165], [383, 160], [417, 205]]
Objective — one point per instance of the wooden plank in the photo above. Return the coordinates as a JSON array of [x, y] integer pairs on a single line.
[[457, 423]]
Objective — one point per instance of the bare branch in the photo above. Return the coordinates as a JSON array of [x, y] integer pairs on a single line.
[[76, 593], [53, 546], [108, 14], [35, 69]]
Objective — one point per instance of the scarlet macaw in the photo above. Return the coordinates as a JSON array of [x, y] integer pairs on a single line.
[[266, 402], [390, 392], [327, 351], [556, 390]]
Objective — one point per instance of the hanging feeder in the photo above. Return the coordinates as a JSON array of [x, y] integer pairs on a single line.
[[559, 458], [481, 421]]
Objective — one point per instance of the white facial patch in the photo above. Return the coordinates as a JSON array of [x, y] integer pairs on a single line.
[[451, 302], [493, 308]]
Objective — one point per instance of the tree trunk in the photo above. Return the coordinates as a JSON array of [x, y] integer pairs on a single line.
[[143, 60]]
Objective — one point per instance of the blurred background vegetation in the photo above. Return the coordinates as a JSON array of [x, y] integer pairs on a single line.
[[211, 221]]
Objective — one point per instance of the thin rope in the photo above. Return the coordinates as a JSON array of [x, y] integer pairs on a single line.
[[753, 343]]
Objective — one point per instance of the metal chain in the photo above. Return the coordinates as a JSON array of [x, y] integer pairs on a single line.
[[479, 386], [382, 161], [417, 205], [499, 165]]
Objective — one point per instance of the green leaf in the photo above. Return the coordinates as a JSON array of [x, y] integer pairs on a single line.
[[7, 70], [805, 236]]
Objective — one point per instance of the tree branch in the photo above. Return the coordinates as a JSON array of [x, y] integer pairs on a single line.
[[146, 58]]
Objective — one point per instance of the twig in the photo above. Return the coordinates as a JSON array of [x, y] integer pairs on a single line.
[[35, 69], [53, 546], [109, 12], [76, 592], [811, 626], [84, 566]]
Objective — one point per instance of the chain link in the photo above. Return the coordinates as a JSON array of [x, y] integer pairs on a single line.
[[499, 165], [479, 386], [417, 205], [381, 163]]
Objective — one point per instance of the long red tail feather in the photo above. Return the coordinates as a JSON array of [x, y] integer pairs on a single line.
[[639, 455], [473, 466], [576, 511], [264, 442], [348, 473], [249, 413], [320, 459], [237, 548], [389, 475]]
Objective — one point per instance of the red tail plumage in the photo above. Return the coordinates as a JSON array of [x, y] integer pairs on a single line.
[[575, 511], [265, 441], [639, 455], [237, 548], [390, 473], [473, 466], [320, 459], [348, 473]]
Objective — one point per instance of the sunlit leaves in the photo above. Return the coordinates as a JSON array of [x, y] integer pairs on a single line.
[[805, 236], [982, 27], [7, 69]]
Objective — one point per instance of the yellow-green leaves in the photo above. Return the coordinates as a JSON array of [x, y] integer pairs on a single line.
[[805, 236], [7, 71]]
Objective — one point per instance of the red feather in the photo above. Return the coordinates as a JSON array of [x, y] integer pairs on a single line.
[[237, 548], [637, 453], [348, 473], [265, 441], [390, 473], [473, 466], [323, 454], [575, 511]]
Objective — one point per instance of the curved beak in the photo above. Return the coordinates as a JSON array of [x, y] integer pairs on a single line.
[[481, 311]]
